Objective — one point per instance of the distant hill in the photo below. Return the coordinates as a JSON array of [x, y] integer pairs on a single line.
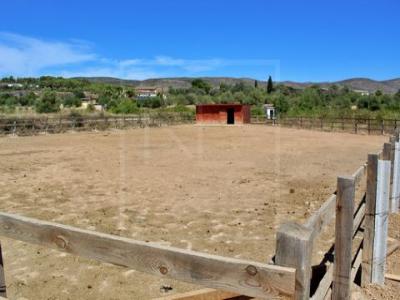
[[365, 84]]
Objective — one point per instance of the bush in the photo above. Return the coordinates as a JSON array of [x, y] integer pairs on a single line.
[[126, 107], [48, 103], [72, 101], [154, 102]]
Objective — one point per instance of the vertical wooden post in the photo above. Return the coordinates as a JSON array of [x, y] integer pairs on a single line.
[[3, 292], [382, 127], [395, 197], [294, 249], [381, 222], [387, 151], [369, 223], [343, 238]]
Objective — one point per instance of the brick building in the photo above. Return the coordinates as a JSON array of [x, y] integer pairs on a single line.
[[222, 114]]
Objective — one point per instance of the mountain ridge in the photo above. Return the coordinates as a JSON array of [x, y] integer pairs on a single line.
[[389, 86]]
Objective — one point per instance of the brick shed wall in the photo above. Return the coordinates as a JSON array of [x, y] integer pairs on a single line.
[[218, 113]]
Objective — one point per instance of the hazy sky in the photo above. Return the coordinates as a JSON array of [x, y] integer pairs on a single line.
[[290, 40]]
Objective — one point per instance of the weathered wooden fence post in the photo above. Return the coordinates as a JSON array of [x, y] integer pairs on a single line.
[[343, 238], [294, 246], [381, 222], [3, 292], [369, 223], [395, 197]]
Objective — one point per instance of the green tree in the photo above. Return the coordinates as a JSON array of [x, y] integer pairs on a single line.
[[256, 84], [48, 103], [201, 85], [270, 85]]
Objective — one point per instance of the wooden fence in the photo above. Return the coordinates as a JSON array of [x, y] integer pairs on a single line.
[[360, 247], [361, 231], [358, 126], [39, 125]]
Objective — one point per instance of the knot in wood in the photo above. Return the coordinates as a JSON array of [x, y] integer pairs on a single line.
[[61, 242], [163, 270], [251, 270]]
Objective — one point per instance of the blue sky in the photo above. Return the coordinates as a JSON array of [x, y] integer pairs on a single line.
[[303, 40]]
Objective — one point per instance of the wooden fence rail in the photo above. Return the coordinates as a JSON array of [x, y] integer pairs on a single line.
[[39, 125], [364, 246], [234, 275], [358, 126]]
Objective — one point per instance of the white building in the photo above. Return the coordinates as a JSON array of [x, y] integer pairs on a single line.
[[146, 92], [362, 92], [270, 111]]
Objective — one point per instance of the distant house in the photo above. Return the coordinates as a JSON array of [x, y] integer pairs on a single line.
[[270, 111], [90, 99], [144, 93], [362, 92]]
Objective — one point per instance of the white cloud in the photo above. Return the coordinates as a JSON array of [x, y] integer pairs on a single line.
[[26, 56]]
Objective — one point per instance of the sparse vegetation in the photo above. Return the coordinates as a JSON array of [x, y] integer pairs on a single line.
[[52, 94]]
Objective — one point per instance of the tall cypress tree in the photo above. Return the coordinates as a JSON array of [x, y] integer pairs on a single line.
[[256, 84], [270, 85]]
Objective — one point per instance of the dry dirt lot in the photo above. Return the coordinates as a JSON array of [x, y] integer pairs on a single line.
[[221, 190]]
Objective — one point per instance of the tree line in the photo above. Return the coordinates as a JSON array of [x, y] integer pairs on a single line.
[[52, 94]]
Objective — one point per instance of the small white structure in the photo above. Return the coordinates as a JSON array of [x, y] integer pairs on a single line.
[[147, 92], [270, 111], [362, 92]]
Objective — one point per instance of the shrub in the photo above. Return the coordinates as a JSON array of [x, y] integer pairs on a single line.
[[126, 106], [48, 103]]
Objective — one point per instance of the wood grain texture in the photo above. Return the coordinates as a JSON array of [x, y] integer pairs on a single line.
[[359, 217], [341, 288], [234, 275], [203, 294], [325, 284], [356, 265], [3, 292], [294, 246], [381, 222], [322, 217], [369, 221], [359, 174], [387, 151]]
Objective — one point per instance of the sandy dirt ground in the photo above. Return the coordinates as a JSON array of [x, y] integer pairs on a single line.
[[221, 190]]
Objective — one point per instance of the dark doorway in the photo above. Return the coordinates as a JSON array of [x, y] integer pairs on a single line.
[[230, 116]]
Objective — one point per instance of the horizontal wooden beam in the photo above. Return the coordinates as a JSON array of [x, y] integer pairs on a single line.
[[359, 174], [392, 277], [325, 284], [234, 275], [203, 294], [326, 213], [322, 217], [359, 218]]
